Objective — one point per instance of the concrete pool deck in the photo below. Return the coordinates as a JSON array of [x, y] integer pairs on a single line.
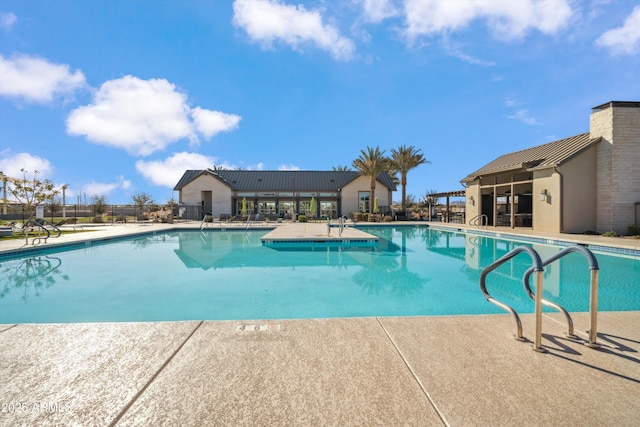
[[456, 370]]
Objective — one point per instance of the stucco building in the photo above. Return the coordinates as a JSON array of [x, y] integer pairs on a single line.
[[280, 193], [588, 182]]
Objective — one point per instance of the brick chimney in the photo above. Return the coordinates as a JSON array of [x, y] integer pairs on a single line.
[[618, 164]]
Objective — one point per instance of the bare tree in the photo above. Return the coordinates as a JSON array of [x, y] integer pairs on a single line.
[[32, 192], [140, 200], [99, 204]]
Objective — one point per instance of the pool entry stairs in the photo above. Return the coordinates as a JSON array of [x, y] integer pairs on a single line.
[[537, 269]]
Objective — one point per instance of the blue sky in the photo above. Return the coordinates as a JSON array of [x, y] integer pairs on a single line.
[[116, 97]]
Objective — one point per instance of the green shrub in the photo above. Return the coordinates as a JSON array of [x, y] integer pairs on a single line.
[[633, 230], [357, 216], [302, 218], [610, 234], [387, 218], [365, 217]]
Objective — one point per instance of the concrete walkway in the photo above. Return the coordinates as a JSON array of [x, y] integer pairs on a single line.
[[458, 370]]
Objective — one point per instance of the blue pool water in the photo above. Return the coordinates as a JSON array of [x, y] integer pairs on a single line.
[[191, 275]]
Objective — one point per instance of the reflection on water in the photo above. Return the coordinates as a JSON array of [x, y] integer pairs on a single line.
[[385, 264], [30, 275], [189, 275]]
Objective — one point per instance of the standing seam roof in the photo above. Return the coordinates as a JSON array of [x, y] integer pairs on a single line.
[[539, 157], [242, 180]]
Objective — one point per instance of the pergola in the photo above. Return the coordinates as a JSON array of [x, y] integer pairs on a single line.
[[4, 178], [447, 195]]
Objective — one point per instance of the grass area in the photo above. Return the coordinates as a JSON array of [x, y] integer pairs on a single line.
[[34, 233], [79, 220], [31, 235]]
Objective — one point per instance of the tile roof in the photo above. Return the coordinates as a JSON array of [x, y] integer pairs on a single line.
[[540, 157], [244, 180]]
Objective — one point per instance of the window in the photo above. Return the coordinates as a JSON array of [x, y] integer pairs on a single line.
[[328, 209], [239, 206], [363, 201], [266, 207], [286, 208], [305, 207]]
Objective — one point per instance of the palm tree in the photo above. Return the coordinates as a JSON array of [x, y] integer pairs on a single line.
[[403, 159], [341, 168], [371, 163]]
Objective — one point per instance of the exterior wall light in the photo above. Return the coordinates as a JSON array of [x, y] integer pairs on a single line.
[[543, 195], [473, 202]]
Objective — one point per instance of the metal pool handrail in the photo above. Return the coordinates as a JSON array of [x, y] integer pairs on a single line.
[[34, 223], [479, 220], [43, 222], [593, 303], [538, 268]]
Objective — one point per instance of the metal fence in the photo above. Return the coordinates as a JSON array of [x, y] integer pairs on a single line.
[[109, 213]]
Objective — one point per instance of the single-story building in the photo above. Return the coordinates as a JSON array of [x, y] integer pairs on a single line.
[[280, 193], [588, 182]]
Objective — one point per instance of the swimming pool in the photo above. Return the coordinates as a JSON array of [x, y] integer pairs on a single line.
[[225, 275]]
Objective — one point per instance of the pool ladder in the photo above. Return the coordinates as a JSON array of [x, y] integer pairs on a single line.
[[537, 268], [40, 225], [480, 220]]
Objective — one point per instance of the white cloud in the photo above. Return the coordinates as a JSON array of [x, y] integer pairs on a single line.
[[623, 40], [512, 102], [139, 116], [7, 20], [11, 164], [37, 80], [506, 19], [105, 188], [144, 116], [457, 52], [524, 117], [266, 21], [209, 122], [167, 172], [289, 167], [376, 11], [257, 167]]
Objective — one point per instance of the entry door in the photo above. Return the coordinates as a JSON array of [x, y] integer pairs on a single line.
[[487, 207], [207, 202]]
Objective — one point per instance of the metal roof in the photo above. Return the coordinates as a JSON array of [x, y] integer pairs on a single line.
[[265, 181], [540, 157]]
